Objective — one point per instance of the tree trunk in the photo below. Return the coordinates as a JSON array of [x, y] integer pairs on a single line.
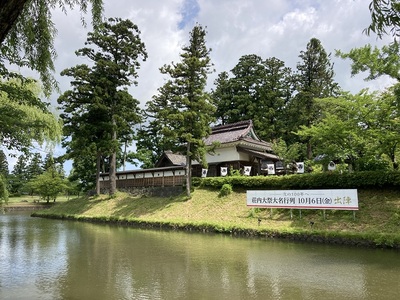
[[113, 163], [113, 173], [124, 157], [188, 170], [309, 150], [98, 163], [9, 13]]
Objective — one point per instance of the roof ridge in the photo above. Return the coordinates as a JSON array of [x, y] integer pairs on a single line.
[[236, 125]]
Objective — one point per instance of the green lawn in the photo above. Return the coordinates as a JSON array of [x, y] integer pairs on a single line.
[[378, 218]]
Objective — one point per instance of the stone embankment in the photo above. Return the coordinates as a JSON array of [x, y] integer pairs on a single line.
[[25, 206]]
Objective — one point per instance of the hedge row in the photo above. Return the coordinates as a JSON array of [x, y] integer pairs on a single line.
[[360, 180]]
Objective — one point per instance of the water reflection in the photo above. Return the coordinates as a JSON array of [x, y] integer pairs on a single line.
[[49, 259]]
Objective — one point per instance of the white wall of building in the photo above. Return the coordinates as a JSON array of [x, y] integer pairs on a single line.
[[226, 154]]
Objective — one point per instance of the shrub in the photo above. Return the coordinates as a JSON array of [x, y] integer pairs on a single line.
[[327, 180], [226, 189]]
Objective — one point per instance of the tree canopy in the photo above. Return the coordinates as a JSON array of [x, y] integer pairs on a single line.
[[25, 118], [377, 62], [27, 33], [385, 18], [99, 113], [259, 90], [183, 108]]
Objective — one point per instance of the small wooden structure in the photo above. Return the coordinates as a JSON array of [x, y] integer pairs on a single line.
[[157, 177], [237, 147]]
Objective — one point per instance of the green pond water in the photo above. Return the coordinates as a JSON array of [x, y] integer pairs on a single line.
[[54, 259]]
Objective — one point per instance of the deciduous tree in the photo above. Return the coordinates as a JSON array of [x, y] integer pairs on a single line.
[[3, 164], [48, 185], [25, 119], [347, 130], [27, 33], [385, 18], [377, 62]]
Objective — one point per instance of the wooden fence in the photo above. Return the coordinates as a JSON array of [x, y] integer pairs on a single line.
[[157, 177]]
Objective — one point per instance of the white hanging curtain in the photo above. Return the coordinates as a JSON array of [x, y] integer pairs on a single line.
[[247, 170], [300, 167], [271, 169], [224, 171]]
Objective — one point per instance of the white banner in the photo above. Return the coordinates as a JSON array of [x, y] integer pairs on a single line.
[[247, 170], [300, 167], [204, 172], [271, 169], [340, 199], [224, 171]]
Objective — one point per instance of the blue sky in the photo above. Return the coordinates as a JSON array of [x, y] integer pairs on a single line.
[[273, 28], [189, 11]]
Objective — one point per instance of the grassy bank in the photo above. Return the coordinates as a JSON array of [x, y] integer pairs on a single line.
[[377, 223]]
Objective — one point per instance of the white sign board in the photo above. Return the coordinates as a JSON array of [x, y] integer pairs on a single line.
[[340, 199]]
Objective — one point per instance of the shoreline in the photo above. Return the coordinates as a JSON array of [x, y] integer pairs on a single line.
[[377, 224], [358, 240], [25, 207]]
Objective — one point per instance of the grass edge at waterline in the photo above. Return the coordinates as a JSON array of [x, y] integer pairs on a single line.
[[377, 223]]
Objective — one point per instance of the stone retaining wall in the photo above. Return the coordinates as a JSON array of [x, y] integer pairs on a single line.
[[150, 191]]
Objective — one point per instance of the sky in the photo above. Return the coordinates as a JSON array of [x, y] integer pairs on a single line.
[[273, 28]]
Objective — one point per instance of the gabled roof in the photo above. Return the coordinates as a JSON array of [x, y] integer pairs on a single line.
[[229, 132], [240, 135], [171, 159], [240, 131]]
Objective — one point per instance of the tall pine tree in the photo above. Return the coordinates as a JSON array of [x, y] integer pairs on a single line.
[[314, 80], [259, 90], [99, 108], [187, 110]]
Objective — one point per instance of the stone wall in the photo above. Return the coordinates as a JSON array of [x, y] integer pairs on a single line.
[[151, 191]]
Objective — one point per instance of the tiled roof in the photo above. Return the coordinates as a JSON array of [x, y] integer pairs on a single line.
[[240, 131], [230, 132], [176, 159], [168, 158]]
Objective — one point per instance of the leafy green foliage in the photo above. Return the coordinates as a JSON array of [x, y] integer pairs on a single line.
[[151, 139], [25, 118], [314, 80], [184, 111], [3, 164], [360, 180], [385, 15], [225, 190], [18, 178], [357, 129], [34, 166], [287, 154], [3, 190], [48, 185], [258, 90], [27, 33], [100, 114], [378, 62]]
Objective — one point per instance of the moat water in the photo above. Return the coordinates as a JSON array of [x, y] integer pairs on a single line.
[[54, 259]]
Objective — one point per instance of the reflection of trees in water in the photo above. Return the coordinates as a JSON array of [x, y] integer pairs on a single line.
[[73, 260]]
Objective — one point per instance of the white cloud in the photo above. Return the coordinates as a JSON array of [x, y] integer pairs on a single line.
[[274, 28]]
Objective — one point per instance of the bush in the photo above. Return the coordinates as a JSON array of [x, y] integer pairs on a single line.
[[226, 189], [325, 180]]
